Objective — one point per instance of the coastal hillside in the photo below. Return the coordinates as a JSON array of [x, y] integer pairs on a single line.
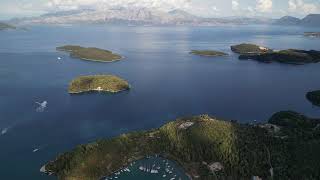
[[207, 148]]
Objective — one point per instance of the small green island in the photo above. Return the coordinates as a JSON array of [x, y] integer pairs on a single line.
[[98, 83], [208, 53], [90, 53], [5, 26], [287, 147], [314, 97], [312, 34], [250, 49]]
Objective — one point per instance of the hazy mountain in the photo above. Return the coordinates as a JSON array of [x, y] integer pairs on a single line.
[[115, 15], [288, 20], [309, 20], [134, 16]]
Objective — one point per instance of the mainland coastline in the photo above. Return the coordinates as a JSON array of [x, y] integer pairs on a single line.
[[207, 148]]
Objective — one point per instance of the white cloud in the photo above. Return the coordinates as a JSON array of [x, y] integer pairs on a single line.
[[264, 5], [301, 7], [235, 5], [250, 9]]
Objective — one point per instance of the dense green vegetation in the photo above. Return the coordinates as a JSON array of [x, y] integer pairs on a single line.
[[299, 144], [196, 142], [105, 83], [290, 56], [249, 49], [209, 53], [314, 97], [4, 26], [91, 53]]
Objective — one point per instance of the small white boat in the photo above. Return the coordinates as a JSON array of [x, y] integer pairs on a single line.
[[35, 150], [59, 58], [42, 106], [4, 131], [154, 171], [126, 170]]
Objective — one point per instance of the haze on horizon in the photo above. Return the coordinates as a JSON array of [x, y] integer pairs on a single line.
[[205, 8]]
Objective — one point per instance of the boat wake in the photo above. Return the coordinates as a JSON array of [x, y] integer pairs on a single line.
[[42, 106]]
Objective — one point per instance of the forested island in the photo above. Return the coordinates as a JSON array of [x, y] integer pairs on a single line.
[[101, 83], [314, 97], [250, 49], [5, 26], [90, 53], [312, 34], [266, 55], [208, 53], [207, 148]]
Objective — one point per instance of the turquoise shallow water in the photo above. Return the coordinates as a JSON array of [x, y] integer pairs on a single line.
[[167, 82]]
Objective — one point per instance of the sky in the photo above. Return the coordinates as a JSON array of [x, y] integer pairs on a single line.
[[206, 8]]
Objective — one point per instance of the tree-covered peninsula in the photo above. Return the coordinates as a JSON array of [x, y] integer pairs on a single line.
[[290, 56], [207, 148], [101, 83], [90, 53], [266, 55]]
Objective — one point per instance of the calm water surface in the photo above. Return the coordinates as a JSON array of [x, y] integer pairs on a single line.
[[167, 83]]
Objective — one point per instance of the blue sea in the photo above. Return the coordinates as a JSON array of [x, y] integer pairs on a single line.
[[167, 83]]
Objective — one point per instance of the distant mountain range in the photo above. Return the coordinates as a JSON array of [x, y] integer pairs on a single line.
[[145, 16], [310, 20]]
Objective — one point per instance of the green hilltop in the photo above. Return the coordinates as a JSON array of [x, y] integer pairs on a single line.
[[285, 148]]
